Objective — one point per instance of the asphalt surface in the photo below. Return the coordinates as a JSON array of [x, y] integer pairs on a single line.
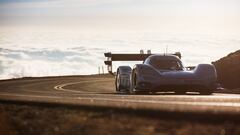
[[100, 91]]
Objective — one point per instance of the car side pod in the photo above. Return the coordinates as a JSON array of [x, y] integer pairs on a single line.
[[206, 71], [208, 74]]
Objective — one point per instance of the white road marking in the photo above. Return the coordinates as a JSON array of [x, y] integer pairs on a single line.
[[60, 87]]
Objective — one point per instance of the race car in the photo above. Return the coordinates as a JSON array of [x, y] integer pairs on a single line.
[[165, 73]]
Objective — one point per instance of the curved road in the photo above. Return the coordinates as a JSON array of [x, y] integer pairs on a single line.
[[100, 91]]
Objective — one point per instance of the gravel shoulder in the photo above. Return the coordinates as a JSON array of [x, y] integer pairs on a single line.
[[38, 120]]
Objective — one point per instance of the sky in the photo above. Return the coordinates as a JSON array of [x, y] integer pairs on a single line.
[[203, 16], [69, 37]]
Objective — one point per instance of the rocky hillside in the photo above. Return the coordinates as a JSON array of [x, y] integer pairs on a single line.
[[228, 70]]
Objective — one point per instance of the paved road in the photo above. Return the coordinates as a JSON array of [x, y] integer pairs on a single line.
[[100, 91]]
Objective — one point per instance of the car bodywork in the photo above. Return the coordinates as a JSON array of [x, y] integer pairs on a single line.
[[165, 73]]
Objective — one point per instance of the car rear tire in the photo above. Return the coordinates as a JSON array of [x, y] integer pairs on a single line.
[[118, 82], [121, 81]]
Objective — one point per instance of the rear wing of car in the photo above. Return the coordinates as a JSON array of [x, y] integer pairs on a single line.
[[128, 57]]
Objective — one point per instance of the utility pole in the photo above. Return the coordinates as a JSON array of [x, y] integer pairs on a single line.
[[102, 69], [99, 71], [166, 49]]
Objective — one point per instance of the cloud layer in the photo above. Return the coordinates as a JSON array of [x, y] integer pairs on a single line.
[[50, 54]]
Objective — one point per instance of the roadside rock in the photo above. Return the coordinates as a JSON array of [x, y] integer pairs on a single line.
[[228, 70]]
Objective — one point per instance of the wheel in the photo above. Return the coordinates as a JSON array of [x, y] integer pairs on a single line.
[[121, 81], [118, 82], [134, 83]]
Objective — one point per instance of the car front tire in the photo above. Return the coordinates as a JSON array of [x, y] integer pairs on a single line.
[[134, 83]]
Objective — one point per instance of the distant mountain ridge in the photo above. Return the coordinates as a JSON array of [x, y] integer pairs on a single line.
[[228, 70]]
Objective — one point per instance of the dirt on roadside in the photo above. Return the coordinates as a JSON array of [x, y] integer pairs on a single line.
[[40, 120]]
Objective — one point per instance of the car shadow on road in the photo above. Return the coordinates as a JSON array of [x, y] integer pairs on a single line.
[[158, 93]]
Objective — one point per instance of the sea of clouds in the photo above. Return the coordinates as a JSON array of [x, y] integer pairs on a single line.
[[32, 54]]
